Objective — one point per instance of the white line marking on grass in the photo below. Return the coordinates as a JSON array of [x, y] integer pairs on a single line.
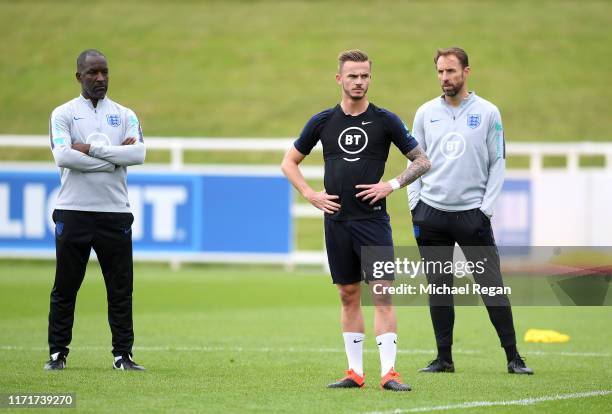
[[296, 349], [476, 404], [570, 353], [216, 349]]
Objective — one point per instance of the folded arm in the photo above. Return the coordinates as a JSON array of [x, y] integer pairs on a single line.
[[130, 152], [67, 157]]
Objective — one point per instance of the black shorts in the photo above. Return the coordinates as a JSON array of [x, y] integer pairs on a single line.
[[344, 240]]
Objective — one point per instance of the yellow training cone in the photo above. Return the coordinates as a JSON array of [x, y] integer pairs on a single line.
[[545, 336]]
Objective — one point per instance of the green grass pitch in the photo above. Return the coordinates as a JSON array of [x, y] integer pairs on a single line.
[[262, 340], [220, 339], [262, 68]]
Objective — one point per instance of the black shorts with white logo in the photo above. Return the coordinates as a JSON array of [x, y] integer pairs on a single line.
[[344, 241]]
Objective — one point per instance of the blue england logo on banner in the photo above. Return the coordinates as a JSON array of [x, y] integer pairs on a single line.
[[473, 120], [113, 120]]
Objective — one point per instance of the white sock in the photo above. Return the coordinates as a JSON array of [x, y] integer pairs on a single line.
[[353, 345], [387, 347]]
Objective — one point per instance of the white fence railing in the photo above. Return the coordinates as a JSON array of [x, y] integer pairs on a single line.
[[177, 146]]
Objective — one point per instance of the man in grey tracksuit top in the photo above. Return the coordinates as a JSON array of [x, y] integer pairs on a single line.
[[93, 140], [463, 137]]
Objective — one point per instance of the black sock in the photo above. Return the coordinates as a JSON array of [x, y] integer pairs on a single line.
[[511, 352], [445, 354]]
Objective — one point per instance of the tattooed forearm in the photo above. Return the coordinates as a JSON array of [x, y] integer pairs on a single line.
[[419, 165]]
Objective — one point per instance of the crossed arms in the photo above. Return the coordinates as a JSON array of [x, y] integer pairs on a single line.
[[94, 157]]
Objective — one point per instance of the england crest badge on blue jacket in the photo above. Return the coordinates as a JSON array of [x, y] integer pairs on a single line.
[[473, 120], [113, 120]]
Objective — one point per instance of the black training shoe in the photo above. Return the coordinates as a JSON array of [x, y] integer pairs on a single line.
[[352, 380], [126, 363], [517, 366], [439, 365], [57, 361], [391, 381]]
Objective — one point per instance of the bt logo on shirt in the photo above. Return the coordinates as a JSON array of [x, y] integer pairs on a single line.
[[352, 141], [452, 145]]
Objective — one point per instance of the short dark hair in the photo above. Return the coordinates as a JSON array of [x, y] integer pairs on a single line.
[[352, 55], [454, 51], [84, 55]]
